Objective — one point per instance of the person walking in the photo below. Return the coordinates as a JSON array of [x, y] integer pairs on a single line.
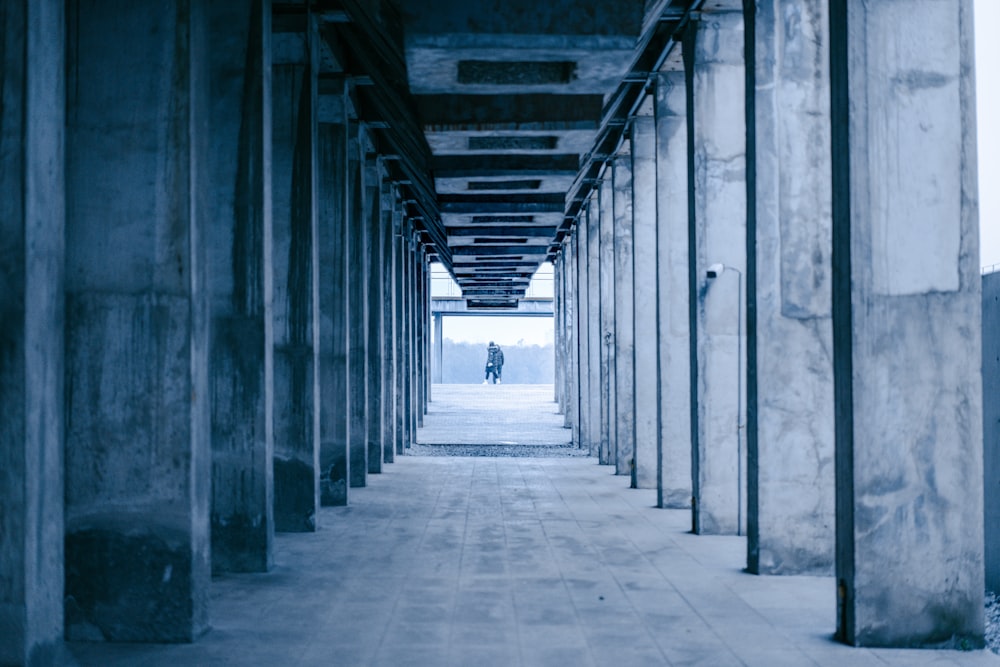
[[494, 363]]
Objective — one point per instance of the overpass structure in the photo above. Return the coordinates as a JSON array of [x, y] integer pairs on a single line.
[[218, 225]]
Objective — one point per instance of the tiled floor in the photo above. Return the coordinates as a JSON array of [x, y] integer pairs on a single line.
[[513, 561]]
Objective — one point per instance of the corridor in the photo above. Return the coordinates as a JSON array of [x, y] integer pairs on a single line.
[[445, 560]]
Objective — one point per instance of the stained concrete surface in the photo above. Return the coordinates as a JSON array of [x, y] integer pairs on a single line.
[[511, 561], [458, 561]]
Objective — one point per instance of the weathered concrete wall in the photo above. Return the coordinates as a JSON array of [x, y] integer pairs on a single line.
[[907, 322], [623, 388], [790, 462], [32, 39], [991, 427], [716, 78], [296, 277], [647, 334], [138, 450], [239, 253], [333, 277], [674, 312]]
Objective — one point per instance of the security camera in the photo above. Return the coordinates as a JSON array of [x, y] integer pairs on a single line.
[[715, 270]]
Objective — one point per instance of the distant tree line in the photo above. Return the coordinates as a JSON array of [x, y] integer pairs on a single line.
[[465, 363]]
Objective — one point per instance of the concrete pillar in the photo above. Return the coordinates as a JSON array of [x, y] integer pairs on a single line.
[[334, 269], [991, 428], [674, 313], [413, 377], [790, 513], [373, 221], [357, 313], [427, 332], [596, 343], [571, 332], [399, 336], [296, 283], [558, 328], [605, 266], [138, 432], [906, 321], [647, 335], [32, 215], [388, 343], [581, 431], [438, 347], [717, 186], [239, 253], [422, 321], [623, 357]]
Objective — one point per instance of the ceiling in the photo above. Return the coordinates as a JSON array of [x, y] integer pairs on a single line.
[[502, 114]]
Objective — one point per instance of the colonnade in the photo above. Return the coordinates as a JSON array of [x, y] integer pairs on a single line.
[[769, 304], [214, 301]]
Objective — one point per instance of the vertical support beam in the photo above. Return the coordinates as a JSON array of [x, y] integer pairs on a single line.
[[399, 319], [581, 432], [557, 324], [572, 333], [716, 76], [647, 335], [296, 282], [596, 343], [357, 313], [439, 347], [239, 247], [790, 495], [414, 308], [373, 349], [32, 217], [421, 328], [138, 424], [674, 447], [388, 334], [906, 315], [334, 270], [606, 296], [991, 428], [623, 357], [427, 333]]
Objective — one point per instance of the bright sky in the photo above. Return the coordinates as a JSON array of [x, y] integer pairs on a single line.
[[987, 14], [538, 331]]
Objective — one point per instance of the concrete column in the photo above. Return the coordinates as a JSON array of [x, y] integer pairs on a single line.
[[138, 425], [406, 290], [438, 347], [557, 323], [32, 216], [790, 513], [581, 432], [427, 333], [414, 334], [717, 185], [296, 283], [241, 370], [334, 269], [906, 317], [991, 428], [606, 290], [373, 220], [399, 319], [570, 392], [388, 334], [623, 357], [647, 335], [674, 313], [595, 345], [357, 314], [423, 319]]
